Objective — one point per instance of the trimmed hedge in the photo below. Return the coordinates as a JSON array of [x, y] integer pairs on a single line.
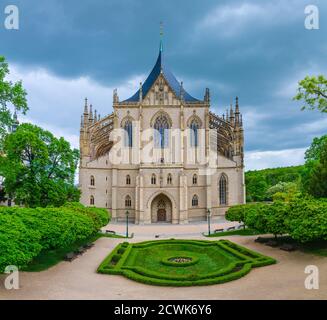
[[241, 260], [25, 232]]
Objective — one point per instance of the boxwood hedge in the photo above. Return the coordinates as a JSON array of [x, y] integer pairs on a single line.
[[206, 268], [25, 232]]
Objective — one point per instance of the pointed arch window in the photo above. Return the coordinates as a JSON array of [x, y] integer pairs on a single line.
[[195, 179], [92, 200], [128, 201], [194, 139], [223, 190], [128, 179], [195, 201], [169, 179], [128, 127], [161, 126], [153, 179], [92, 181]]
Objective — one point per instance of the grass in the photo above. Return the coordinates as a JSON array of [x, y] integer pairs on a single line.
[[240, 232], [49, 258], [213, 262], [119, 236]]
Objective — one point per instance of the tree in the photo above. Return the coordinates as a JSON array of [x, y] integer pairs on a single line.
[[11, 94], [38, 168], [313, 91], [283, 191], [315, 149], [314, 177], [317, 182]]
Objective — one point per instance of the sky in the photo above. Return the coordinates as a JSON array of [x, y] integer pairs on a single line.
[[257, 50]]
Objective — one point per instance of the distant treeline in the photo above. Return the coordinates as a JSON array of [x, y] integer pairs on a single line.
[[258, 182]]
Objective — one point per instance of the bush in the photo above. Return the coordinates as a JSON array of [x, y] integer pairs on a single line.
[[25, 232], [262, 217], [239, 263], [307, 220], [236, 213], [304, 219]]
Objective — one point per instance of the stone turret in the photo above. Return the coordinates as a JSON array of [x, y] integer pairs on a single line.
[[15, 122]]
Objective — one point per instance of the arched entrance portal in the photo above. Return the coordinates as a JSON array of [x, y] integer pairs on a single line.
[[161, 209]]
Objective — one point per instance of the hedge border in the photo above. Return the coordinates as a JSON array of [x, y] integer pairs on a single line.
[[247, 259]]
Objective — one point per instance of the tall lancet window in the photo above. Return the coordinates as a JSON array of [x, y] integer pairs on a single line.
[[223, 190], [128, 133], [161, 133], [194, 133]]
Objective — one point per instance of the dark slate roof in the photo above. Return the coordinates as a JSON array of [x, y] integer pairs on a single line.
[[174, 84]]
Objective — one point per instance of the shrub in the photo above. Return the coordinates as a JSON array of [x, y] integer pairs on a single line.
[[121, 250], [236, 213], [152, 270], [24, 232], [116, 257], [307, 220]]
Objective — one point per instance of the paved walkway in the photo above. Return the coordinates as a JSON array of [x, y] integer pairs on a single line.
[[78, 279]]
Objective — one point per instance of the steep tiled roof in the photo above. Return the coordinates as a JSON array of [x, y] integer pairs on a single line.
[[159, 67]]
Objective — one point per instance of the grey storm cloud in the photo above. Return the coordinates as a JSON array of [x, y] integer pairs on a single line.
[[256, 50]]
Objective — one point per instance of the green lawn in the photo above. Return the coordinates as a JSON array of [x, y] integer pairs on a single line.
[[49, 258], [240, 232], [207, 262]]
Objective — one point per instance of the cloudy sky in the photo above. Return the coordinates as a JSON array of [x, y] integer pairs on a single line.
[[256, 49]]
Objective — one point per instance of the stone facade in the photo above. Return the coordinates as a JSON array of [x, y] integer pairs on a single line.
[[162, 155]]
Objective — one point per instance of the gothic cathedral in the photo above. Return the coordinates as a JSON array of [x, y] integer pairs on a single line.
[[162, 155]]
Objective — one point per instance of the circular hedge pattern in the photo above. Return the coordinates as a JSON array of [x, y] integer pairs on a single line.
[[179, 261], [182, 262]]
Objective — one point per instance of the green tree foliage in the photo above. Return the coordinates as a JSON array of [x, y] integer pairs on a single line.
[[304, 219], [258, 182], [307, 220], [24, 232], [313, 92], [38, 168], [236, 213], [11, 94], [317, 182], [314, 177]]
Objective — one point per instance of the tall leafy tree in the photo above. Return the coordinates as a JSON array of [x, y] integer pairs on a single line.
[[12, 96], [314, 167], [316, 183], [38, 168], [313, 92]]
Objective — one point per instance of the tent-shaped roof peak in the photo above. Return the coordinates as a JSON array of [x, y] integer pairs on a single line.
[[160, 67]]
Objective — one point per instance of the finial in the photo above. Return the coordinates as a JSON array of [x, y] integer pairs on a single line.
[[81, 121], [15, 115], [237, 110], [85, 106], [115, 96], [161, 36], [16, 122], [141, 92], [182, 91], [91, 113], [207, 95], [95, 115]]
